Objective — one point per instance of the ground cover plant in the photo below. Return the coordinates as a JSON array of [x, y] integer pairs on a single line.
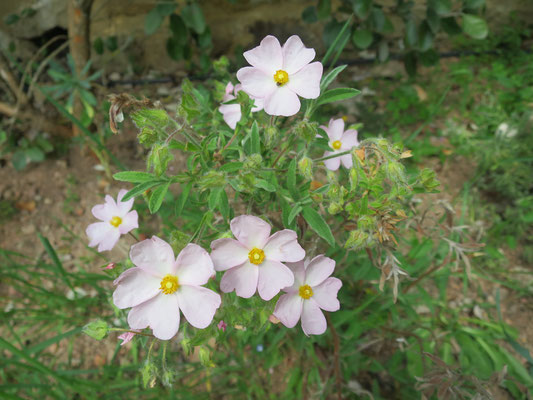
[[299, 252]]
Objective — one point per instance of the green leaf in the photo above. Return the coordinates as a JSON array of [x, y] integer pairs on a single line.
[[152, 21], [450, 26], [309, 15], [182, 199], [165, 8], [330, 77], [323, 9], [426, 37], [265, 185], [294, 213], [139, 189], [441, 7], [178, 29], [378, 19], [35, 154], [19, 160], [291, 180], [194, 17], [383, 51], [337, 95], [336, 35], [473, 4], [98, 45], [361, 8], [55, 259], [475, 26], [317, 223], [156, 199], [223, 204], [175, 49], [214, 197], [411, 33], [362, 38], [255, 140], [232, 166], [134, 176]]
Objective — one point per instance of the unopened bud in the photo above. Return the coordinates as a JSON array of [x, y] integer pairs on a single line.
[[97, 329], [334, 208], [305, 165]]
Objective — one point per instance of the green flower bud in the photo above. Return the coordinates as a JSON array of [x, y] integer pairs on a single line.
[[395, 172], [167, 378], [212, 179], [271, 135], [221, 65], [305, 165], [306, 130], [149, 374], [334, 208], [366, 222], [204, 356], [159, 158], [96, 329], [147, 137], [358, 240], [252, 162]]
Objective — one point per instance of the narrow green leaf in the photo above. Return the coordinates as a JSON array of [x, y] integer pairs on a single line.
[[337, 94], [134, 176], [294, 213], [231, 167], [223, 204], [194, 17], [152, 21], [55, 259], [291, 180], [337, 40], [182, 199], [330, 77], [255, 139], [156, 199], [214, 197], [140, 188], [317, 223], [265, 185]]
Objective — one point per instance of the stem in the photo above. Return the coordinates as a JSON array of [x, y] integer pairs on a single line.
[[133, 236], [232, 139], [336, 346], [129, 330], [333, 155], [427, 273]]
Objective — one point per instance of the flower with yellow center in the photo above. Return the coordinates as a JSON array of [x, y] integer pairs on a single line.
[[115, 221], [169, 284], [256, 256], [336, 145], [281, 77], [305, 292]]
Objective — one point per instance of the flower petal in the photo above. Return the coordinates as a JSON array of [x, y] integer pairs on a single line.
[[349, 140], [243, 279], [283, 246], [259, 104], [102, 234], [318, 270], [198, 305], [228, 253], [335, 129], [347, 160], [306, 82], [282, 101], [123, 206], [160, 313], [231, 114], [289, 309], [256, 83], [250, 230], [273, 276], [194, 266], [332, 164], [103, 212], [135, 286], [154, 255], [296, 55], [325, 294], [267, 57], [313, 320], [129, 222], [298, 271]]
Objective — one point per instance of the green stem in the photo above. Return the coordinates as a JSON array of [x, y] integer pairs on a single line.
[[333, 155]]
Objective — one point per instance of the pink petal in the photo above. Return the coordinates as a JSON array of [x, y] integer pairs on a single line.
[[154, 255], [160, 313], [298, 271], [229, 88], [289, 309], [318, 270], [194, 266], [273, 276], [228, 253], [349, 140], [267, 56], [251, 231], [325, 294], [124, 206], [306, 82], [129, 222], [259, 104], [313, 320], [243, 279], [347, 160], [231, 114], [296, 55], [283, 246], [336, 129], [102, 234], [332, 163], [282, 101], [104, 212], [126, 337], [135, 286], [256, 83], [198, 305]]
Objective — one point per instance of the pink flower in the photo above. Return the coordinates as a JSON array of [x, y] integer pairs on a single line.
[[117, 220], [339, 141], [222, 326], [160, 286], [279, 75], [254, 261], [312, 290], [110, 266], [232, 112], [126, 337]]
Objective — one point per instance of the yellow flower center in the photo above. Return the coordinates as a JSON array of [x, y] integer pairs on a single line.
[[281, 77], [115, 221], [169, 284], [336, 144], [256, 256], [305, 292]]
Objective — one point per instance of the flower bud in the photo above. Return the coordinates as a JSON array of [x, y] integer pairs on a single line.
[[305, 165], [212, 179], [271, 134], [395, 172], [358, 239], [334, 208], [252, 162], [149, 374], [96, 329], [204, 356], [306, 130], [147, 137]]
